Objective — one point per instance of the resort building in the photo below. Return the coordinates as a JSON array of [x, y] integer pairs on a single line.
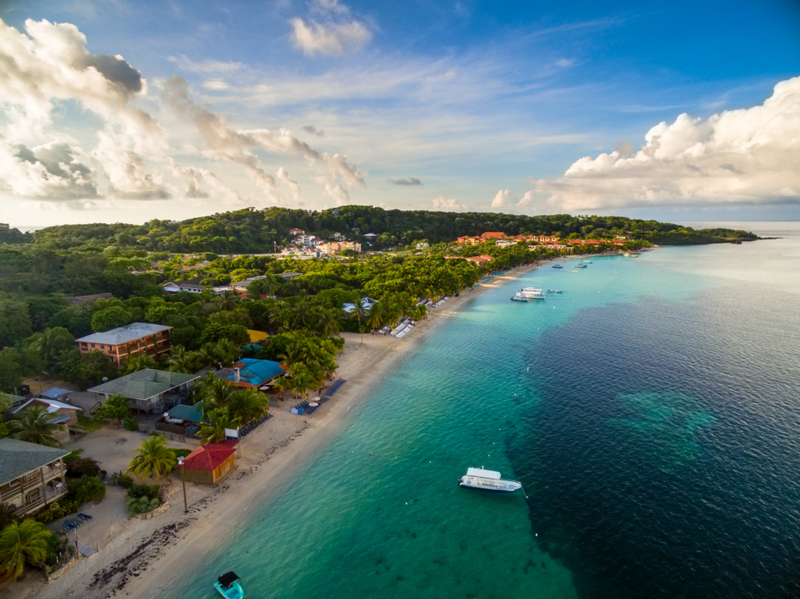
[[148, 390], [493, 235], [422, 245], [251, 373], [209, 464], [480, 260], [294, 232], [337, 247], [135, 339], [62, 414], [182, 420], [504, 243], [190, 286], [31, 475]]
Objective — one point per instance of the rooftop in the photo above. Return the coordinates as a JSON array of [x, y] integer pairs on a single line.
[[51, 404], [126, 334], [209, 457], [54, 393], [252, 371], [19, 457], [183, 412], [144, 383]]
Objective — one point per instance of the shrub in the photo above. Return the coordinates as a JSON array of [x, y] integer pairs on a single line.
[[148, 491], [56, 510], [84, 467], [142, 505], [7, 515], [131, 423], [121, 480], [87, 488]]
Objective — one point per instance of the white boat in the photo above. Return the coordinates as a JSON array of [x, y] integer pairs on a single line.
[[487, 480], [532, 293], [518, 298]]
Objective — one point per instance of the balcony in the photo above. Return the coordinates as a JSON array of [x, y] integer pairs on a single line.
[[50, 495]]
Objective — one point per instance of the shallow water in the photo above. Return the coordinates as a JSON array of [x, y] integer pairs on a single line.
[[651, 411]]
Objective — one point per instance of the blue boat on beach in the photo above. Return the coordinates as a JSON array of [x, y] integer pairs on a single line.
[[229, 587]]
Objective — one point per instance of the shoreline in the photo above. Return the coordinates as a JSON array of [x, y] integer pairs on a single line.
[[272, 455]]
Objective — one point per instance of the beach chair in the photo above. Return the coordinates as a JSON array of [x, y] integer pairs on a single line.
[[84, 517]]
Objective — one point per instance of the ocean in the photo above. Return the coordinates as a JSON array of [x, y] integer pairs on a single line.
[[651, 411]]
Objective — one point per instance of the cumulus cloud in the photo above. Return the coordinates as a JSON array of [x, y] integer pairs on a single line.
[[409, 181], [52, 63], [126, 172], [294, 188], [314, 131], [443, 203], [330, 30], [335, 191], [351, 175], [202, 183], [739, 156], [52, 171], [502, 199], [526, 200]]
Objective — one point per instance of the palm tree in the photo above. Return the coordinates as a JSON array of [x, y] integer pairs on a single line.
[[181, 360], [227, 351], [228, 299], [35, 425], [326, 324], [205, 356], [138, 362], [361, 312], [301, 381], [375, 316], [279, 385], [213, 430], [153, 457], [22, 542], [247, 405], [216, 393]]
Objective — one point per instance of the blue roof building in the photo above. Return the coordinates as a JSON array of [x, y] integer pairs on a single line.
[[249, 372]]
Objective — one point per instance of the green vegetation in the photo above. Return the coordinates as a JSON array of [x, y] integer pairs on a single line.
[[143, 498], [20, 543], [153, 458]]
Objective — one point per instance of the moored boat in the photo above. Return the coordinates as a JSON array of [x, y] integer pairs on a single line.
[[487, 480], [531, 293], [580, 266], [228, 586], [518, 298], [557, 266]]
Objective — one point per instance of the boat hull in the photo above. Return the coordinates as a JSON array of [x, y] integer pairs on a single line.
[[235, 591], [475, 483]]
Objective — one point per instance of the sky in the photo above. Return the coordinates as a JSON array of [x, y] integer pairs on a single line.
[[123, 111]]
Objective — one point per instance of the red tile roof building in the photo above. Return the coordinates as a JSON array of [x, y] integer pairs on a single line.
[[209, 464]]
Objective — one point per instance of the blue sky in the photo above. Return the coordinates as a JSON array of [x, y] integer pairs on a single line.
[[516, 107]]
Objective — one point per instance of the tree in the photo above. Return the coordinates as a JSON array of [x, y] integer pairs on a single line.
[[114, 408], [10, 369], [215, 393], [138, 362], [153, 457], [88, 368], [15, 323], [228, 300], [35, 425], [375, 316], [53, 345], [180, 360], [22, 542], [88, 488], [361, 312], [213, 429], [247, 405], [110, 318]]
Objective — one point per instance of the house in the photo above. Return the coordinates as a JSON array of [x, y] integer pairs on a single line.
[[149, 390], [545, 238], [209, 464], [182, 420], [480, 260], [294, 232], [251, 373], [370, 236], [366, 304], [31, 475], [338, 236], [56, 393], [241, 286], [190, 286], [85, 299], [135, 339], [467, 240], [291, 275], [61, 413], [337, 247], [493, 235], [504, 243], [422, 245]]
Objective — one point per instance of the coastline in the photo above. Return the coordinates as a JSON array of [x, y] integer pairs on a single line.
[[271, 456]]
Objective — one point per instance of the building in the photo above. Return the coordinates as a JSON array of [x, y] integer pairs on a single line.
[[190, 286], [209, 464], [294, 232], [493, 235], [63, 414], [370, 236], [31, 475], [422, 245], [504, 243], [135, 339], [333, 248], [251, 373], [181, 420], [56, 393], [241, 286], [4, 227], [85, 299], [149, 390], [366, 304], [338, 236], [480, 260], [467, 240]]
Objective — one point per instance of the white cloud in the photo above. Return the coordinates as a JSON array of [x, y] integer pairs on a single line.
[[294, 188], [215, 85], [738, 156], [52, 63], [52, 171], [502, 199], [443, 203], [350, 173], [126, 172], [330, 31], [205, 66], [335, 191], [526, 200]]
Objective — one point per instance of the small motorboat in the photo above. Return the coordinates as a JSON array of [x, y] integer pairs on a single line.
[[557, 266], [517, 297], [229, 587], [559, 291]]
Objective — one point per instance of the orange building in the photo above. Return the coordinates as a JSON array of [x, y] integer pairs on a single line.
[[135, 339]]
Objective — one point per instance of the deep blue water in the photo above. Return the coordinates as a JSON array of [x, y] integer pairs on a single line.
[[652, 412]]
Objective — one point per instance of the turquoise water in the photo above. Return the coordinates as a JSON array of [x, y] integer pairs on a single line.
[[651, 411]]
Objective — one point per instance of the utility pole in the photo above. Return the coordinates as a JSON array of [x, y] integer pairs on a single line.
[[183, 482]]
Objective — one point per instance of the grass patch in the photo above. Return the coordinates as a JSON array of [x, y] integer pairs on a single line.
[[89, 424]]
